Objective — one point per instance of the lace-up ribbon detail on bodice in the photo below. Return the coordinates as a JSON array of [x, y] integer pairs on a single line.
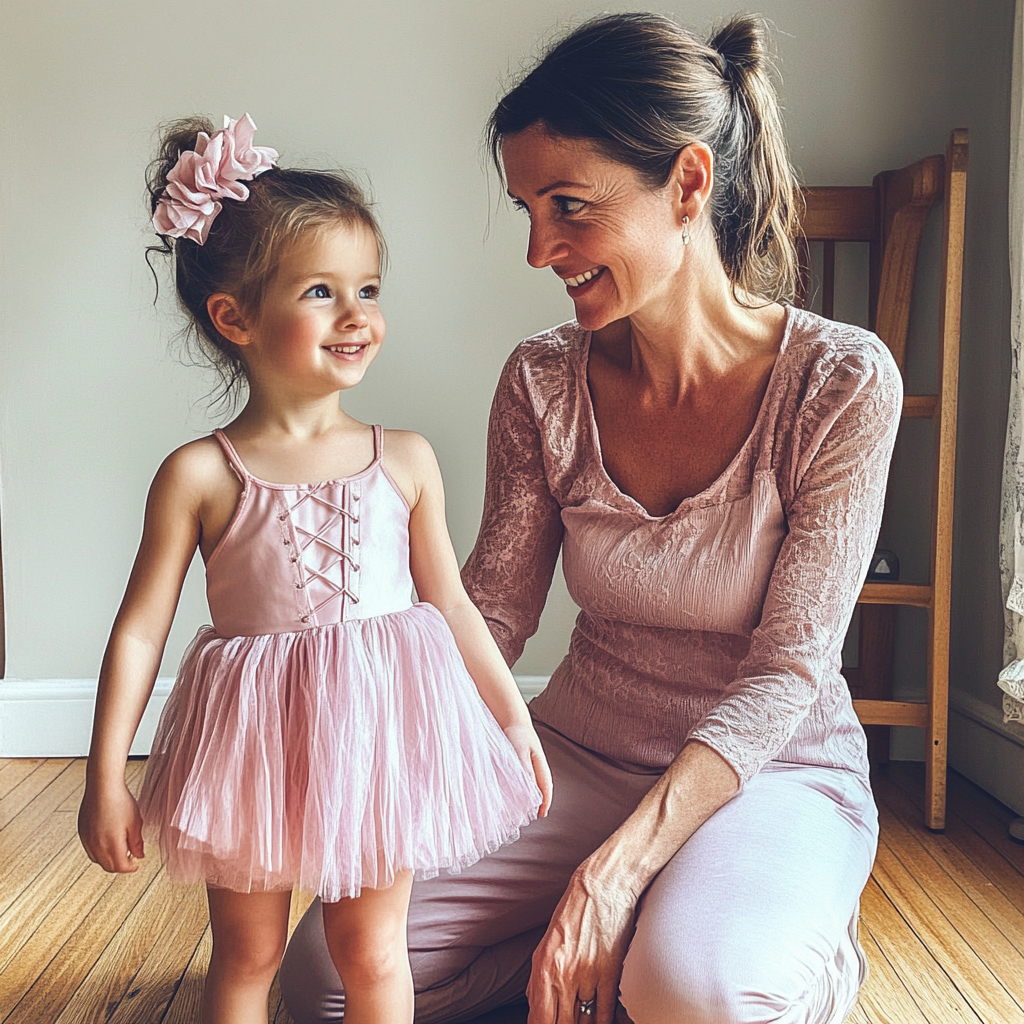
[[324, 530], [294, 555]]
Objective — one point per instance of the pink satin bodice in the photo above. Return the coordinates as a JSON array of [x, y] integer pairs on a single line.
[[298, 556]]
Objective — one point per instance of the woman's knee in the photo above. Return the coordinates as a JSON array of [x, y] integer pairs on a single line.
[[702, 989]]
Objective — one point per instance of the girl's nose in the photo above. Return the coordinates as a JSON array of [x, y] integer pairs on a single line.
[[354, 317], [545, 245]]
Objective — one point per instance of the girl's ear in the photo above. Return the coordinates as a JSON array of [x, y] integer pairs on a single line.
[[227, 317]]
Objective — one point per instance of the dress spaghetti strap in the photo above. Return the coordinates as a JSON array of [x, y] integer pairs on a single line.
[[378, 442], [231, 455]]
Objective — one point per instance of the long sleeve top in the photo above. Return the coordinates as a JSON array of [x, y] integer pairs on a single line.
[[724, 620]]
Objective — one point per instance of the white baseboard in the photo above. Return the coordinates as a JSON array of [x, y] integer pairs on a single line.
[[53, 717]]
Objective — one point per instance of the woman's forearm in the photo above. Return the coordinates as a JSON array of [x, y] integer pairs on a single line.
[[696, 784]]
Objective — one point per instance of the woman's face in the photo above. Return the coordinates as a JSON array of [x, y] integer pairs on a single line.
[[614, 241]]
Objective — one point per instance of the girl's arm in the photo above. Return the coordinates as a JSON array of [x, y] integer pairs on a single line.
[[109, 823], [435, 573]]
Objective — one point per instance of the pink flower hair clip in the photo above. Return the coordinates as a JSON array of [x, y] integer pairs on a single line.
[[214, 170]]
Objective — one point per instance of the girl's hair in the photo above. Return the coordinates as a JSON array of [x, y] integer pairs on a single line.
[[247, 240], [640, 89]]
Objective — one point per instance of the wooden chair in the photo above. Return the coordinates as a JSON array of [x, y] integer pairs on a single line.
[[890, 215]]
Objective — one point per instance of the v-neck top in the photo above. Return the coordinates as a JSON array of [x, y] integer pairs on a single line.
[[724, 620]]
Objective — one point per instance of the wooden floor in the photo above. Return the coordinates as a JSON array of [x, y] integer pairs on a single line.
[[942, 920]]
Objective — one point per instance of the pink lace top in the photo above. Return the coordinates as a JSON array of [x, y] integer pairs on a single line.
[[724, 620]]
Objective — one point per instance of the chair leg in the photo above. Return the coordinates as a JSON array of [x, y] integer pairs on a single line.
[[877, 643], [936, 734]]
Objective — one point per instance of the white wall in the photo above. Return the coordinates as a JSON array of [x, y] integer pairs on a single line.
[[92, 394]]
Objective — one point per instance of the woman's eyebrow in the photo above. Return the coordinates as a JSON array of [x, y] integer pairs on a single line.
[[550, 188]]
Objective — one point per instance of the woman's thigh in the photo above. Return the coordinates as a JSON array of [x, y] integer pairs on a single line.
[[471, 935], [751, 921]]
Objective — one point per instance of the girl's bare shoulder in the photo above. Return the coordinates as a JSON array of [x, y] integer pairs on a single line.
[[196, 471]]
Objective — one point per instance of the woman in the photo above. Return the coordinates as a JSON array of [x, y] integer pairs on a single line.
[[712, 465]]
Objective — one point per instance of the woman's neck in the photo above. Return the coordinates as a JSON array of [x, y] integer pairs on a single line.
[[699, 329]]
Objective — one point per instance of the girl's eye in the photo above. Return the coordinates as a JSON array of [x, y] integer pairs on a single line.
[[370, 291], [567, 205], [318, 291], [518, 204]]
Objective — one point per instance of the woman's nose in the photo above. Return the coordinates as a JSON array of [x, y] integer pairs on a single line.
[[545, 245]]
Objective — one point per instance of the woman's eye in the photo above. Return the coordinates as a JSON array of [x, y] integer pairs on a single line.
[[518, 204], [568, 206], [318, 291], [370, 291]]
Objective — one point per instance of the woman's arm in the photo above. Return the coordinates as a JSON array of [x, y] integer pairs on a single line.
[[109, 823], [435, 573], [508, 574], [833, 520], [838, 469]]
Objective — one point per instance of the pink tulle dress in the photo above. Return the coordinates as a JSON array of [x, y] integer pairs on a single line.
[[325, 733]]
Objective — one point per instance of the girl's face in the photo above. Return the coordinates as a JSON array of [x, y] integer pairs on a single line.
[[320, 325], [615, 242]]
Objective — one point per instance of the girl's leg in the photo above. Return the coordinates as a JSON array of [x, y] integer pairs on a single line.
[[366, 937], [249, 934]]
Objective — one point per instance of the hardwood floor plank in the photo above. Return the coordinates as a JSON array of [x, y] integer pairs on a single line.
[[15, 769], [857, 1016], [157, 981], [133, 975], [972, 977], [30, 909], [29, 788], [896, 811], [884, 998], [50, 936], [76, 953], [36, 834], [184, 1007], [931, 989], [1002, 873], [966, 919]]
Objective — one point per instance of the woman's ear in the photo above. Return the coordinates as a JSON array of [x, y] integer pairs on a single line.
[[692, 178], [227, 317]]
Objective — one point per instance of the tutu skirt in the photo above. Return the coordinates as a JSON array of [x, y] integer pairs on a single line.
[[330, 759]]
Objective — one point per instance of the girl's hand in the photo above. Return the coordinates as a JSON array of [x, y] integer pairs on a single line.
[[581, 955], [110, 827], [527, 746]]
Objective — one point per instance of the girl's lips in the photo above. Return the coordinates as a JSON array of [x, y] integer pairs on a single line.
[[349, 353]]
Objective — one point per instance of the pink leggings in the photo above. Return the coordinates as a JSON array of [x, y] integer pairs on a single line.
[[753, 920]]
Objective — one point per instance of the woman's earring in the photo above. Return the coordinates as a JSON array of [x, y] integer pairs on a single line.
[[686, 230]]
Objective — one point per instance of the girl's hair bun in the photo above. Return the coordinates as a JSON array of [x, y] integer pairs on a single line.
[[175, 138], [742, 43]]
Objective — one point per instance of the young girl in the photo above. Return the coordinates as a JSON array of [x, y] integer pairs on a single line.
[[325, 731]]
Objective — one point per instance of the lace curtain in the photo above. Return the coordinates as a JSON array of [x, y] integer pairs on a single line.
[[1011, 530]]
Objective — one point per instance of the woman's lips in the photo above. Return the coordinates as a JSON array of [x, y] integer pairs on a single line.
[[582, 283]]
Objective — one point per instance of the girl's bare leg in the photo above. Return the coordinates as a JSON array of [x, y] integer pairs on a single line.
[[367, 940], [249, 934]]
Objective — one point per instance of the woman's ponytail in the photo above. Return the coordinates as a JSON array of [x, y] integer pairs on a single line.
[[759, 201]]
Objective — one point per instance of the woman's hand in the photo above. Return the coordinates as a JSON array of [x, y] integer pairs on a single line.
[[526, 743], [110, 827], [581, 955]]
